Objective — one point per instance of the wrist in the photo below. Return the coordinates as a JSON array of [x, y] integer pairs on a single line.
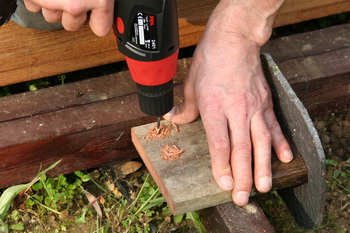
[[250, 19]]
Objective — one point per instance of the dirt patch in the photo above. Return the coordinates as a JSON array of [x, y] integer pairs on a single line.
[[334, 132]]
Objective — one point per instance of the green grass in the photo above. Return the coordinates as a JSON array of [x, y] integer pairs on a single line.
[[74, 201]]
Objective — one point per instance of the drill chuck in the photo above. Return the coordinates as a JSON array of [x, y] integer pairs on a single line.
[[156, 100]]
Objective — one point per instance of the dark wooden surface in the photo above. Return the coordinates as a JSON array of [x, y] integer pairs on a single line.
[[74, 115], [317, 66]]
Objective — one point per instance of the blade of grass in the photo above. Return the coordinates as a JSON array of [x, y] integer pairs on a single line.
[[138, 196], [46, 207], [147, 201], [6, 198], [40, 174]]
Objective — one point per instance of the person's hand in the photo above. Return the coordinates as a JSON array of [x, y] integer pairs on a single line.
[[226, 85], [74, 13]]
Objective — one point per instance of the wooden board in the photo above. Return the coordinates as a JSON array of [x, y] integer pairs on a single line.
[[306, 201], [27, 54], [187, 184], [81, 121]]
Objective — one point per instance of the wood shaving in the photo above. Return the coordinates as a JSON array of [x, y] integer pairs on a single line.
[[164, 131], [171, 153]]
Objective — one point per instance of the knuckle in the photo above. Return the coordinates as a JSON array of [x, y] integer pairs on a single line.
[[220, 144], [245, 100], [275, 126], [74, 8], [242, 150], [265, 135], [210, 100]]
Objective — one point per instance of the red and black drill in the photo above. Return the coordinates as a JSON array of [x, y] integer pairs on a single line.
[[147, 34]]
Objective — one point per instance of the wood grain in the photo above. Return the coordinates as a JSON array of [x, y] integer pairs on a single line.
[[187, 183], [27, 54]]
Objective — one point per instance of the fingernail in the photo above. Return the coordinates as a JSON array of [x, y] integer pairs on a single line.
[[242, 198], [288, 155], [265, 183], [170, 114], [226, 182]]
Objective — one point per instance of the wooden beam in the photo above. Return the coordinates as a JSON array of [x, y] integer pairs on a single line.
[[71, 118], [295, 11], [322, 81], [317, 66], [28, 54]]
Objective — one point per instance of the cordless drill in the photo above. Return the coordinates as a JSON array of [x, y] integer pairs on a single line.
[[147, 34]]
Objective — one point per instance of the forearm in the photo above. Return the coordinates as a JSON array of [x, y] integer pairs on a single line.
[[250, 19]]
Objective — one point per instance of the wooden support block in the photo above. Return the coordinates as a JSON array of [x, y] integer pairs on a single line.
[[187, 183], [229, 218]]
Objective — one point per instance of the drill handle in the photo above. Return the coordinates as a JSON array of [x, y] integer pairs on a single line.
[[146, 30]]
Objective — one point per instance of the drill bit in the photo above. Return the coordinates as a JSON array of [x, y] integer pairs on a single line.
[[158, 125]]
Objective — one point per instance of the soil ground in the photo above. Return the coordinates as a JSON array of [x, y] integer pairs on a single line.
[[334, 132]]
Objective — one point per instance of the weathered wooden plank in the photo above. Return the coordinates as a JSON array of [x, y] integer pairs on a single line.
[[322, 81], [187, 192], [74, 94], [51, 53], [308, 202], [79, 150], [309, 43], [294, 11]]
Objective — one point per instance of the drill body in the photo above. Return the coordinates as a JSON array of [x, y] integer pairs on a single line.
[[147, 34]]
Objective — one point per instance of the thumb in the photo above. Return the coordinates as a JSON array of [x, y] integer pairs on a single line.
[[185, 112]]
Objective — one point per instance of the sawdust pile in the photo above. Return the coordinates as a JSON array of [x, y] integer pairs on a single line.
[[164, 131], [168, 152], [171, 153]]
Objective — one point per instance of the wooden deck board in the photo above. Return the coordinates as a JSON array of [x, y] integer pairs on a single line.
[[27, 54]]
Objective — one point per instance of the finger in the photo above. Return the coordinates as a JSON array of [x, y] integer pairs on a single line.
[[219, 148], [241, 158], [71, 22], [73, 7], [279, 142], [261, 139], [101, 20], [52, 16], [188, 110], [31, 6]]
